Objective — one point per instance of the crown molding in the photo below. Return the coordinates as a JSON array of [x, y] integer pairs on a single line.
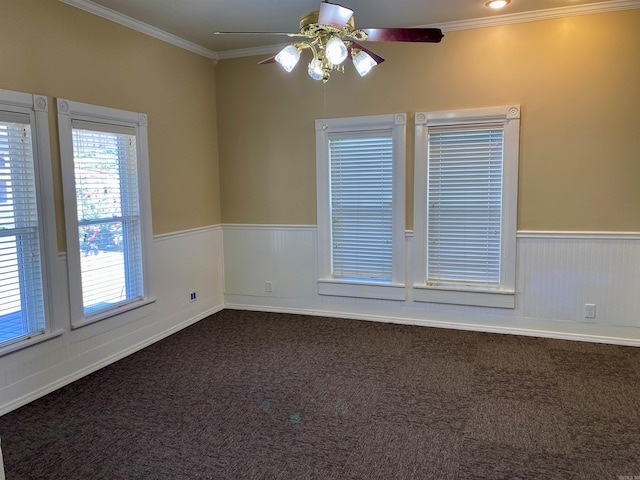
[[99, 10], [250, 52], [495, 21], [550, 13], [507, 19]]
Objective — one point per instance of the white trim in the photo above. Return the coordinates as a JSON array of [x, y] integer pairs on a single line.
[[37, 107], [538, 15], [510, 116], [469, 115], [578, 235], [19, 402], [507, 19], [29, 341], [198, 230], [542, 331], [382, 291], [46, 209], [114, 312], [264, 226], [117, 17], [410, 233], [459, 296], [185, 233], [551, 234], [396, 123], [494, 21], [99, 114], [253, 51], [68, 111]]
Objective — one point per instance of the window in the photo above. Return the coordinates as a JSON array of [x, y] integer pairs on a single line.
[[466, 176], [5, 181], [27, 229], [105, 182], [360, 175]]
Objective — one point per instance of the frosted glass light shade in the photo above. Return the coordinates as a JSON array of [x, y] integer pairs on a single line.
[[315, 69], [363, 63], [288, 57], [336, 51]]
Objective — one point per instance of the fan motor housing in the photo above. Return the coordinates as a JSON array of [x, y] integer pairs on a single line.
[[311, 18]]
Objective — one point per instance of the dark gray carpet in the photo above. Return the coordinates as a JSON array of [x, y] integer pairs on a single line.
[[245, 395]]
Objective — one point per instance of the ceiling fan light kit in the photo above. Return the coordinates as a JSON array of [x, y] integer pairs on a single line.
[[316, 71], [363, 63], [336, 50], [288, 57], [332, 37]]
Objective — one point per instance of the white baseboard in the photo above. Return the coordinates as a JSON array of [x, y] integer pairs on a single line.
[[546, 329]]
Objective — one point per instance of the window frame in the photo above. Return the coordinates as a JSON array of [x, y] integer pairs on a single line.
[[327, 285], [37, 108], [69, 111], [504, 295]]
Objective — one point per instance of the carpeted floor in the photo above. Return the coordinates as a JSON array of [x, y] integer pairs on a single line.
[[247, 395]]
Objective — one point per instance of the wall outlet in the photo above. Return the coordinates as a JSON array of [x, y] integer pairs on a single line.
[[192, 296], [589, 310], [268, 287]]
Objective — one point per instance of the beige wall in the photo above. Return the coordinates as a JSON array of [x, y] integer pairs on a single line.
[[577, 80], [50, 48]]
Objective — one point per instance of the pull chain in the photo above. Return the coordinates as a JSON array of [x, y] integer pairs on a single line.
[[324, 105]]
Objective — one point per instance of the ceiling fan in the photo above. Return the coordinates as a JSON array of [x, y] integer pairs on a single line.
[[332, 37]]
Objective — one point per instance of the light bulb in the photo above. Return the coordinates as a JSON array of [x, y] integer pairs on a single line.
[[288, 57], [496, 4], [336, 51], [315, 69], [363, 63]]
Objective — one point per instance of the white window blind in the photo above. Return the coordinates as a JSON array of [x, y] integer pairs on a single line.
[[108, 213], [464, 204], [22, 310], [361, 191]]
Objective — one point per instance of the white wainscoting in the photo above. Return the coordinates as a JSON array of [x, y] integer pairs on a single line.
[[557, 273], [181, 262]]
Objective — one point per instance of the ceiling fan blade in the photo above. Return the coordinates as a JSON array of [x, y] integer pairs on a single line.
[[268, 60], [282, 34], [377, 58], [403, 34], [335, 15]]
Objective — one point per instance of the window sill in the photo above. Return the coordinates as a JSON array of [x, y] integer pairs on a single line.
[[478, 298], [29, 341], [113, 312], [380, 291]]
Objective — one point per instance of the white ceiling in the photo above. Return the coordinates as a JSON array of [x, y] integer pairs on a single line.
[[195, 20]]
